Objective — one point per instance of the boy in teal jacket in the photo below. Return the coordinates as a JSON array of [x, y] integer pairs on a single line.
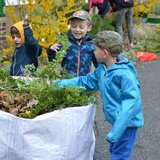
[[117, 80]]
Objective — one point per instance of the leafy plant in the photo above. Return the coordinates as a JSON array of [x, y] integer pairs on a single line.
[[101, 24], [150, 41], [50, 99], [53, 70], [31, 95], [130, 55], [26, 97]]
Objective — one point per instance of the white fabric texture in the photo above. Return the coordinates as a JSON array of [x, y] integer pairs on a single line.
[[65, 134]]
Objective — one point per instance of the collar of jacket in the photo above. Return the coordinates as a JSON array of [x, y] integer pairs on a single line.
[[122, 63], [87, 38]]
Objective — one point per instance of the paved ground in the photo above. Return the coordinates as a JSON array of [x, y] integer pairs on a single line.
[[147, 146]]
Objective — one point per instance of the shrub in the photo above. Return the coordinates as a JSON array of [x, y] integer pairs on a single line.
[[48, 19], [148, 39], [101, 24]]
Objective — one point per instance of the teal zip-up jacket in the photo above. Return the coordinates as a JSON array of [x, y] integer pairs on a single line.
[[120, 93]]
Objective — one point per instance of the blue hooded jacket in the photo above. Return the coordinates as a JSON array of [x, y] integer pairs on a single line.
[[70, 61], [27, 54], [120, 93]]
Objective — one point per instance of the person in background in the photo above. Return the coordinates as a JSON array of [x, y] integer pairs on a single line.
[[103, 9], [124, 11], [117, 80], [80, 54], [26, 50]]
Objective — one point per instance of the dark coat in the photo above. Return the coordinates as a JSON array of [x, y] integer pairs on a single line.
[[120, 4], [26, 54]]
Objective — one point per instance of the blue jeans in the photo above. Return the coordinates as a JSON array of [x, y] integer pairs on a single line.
[[121, 15], [122, 149]]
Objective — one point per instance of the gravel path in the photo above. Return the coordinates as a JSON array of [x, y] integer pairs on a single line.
[[147, 146]]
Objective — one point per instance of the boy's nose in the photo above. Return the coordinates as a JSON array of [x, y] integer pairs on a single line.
[[77, 28], [15, 39]]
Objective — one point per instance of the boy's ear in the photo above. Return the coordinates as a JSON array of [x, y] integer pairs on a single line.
[[89, 28], [106, 52]]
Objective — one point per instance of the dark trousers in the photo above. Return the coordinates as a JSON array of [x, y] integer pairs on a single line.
[[121, 15]]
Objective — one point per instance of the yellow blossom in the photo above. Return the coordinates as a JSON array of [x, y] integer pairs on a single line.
[[48, 20]]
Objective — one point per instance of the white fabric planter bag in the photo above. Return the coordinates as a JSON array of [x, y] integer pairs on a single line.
[[65, 134]]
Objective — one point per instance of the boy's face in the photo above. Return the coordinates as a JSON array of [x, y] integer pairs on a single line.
[[17, 40], [79, 28], [100, 54]]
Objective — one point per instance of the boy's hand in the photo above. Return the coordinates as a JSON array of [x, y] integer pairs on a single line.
[[26, 21], [55, 47]]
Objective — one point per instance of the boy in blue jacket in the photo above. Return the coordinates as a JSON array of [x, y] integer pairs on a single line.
[[26, 50], [80, 54], [117, 80]]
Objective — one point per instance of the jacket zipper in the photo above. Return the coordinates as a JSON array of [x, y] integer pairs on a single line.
[[14, 64], [79, 58]]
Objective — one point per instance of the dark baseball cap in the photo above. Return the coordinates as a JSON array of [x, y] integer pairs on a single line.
[[81, 14]]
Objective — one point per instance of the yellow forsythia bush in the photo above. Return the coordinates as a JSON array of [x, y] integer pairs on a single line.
[[48, 19], [144, 7]]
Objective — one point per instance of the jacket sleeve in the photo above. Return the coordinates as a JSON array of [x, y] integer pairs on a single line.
[[30, 42], [51, 54], [113, 6], [90, 82], [131, 99], [95, 63]]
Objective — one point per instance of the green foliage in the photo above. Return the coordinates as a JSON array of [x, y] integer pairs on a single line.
[[50, 99], [101, 24], [150, 43], [130, 55], [31, 95], [26, 97], [53, 70], [4, 74]]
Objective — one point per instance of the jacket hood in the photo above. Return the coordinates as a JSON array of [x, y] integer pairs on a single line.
[[19, 26], [123, 63]]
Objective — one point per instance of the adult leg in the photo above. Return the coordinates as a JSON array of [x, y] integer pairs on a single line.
[[129, 19], [123, 148], [120, 15]]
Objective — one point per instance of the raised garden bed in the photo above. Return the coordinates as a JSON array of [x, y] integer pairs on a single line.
[[154, 19]]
